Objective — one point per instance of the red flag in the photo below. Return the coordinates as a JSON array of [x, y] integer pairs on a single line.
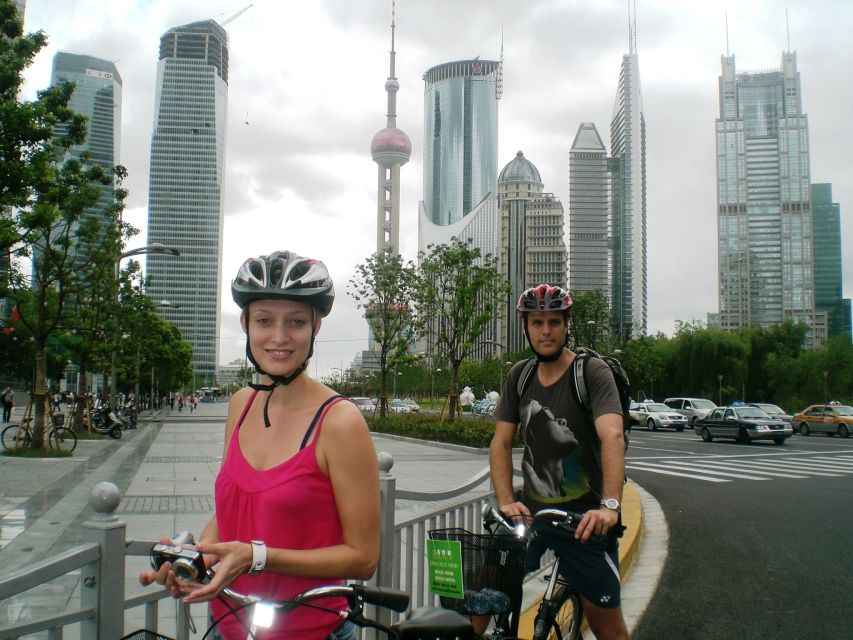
[[16, 315]]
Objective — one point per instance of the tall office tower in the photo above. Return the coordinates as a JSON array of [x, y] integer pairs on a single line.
[[185, 184], [532, 246], [460, 142], [391, 149], [764, 216], [628, 172], [827, 258], [589, 213], [97, 95]]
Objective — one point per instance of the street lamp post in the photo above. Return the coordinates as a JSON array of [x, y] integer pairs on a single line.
[[154, 247], [594, 325], [720, 383], [825, 396], [432, 385]]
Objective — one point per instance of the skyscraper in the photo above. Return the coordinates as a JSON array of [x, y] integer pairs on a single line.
[[185, 184], [628, 183], [532, 246], [97, 95], [589, 213], [391, 149], [827, 258], [460, 138], [764, 214]]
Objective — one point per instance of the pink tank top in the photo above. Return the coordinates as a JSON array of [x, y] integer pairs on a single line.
[[291, 506]]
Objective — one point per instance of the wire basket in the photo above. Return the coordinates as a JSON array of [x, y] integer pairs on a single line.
[[492, 571]]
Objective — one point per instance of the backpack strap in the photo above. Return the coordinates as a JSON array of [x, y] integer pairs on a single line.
[[579, 380], [525, 376]]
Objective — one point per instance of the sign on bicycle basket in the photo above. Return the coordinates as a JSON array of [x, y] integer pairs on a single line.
[[444, 559]]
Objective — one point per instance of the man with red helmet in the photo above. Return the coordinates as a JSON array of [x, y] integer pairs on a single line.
[[574, 459]]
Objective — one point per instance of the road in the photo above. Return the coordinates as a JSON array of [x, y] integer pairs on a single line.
[[760, 536]]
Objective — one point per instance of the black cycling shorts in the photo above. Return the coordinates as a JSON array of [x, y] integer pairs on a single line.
[[592, 567]]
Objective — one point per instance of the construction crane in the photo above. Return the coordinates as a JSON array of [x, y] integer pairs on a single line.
[[237, 15]]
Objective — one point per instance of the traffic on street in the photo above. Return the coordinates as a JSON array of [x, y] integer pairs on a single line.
[[757, 536]]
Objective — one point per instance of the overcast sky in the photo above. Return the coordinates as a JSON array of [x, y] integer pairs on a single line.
[[306, 96]]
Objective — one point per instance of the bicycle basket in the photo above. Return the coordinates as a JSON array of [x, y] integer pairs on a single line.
[[492, 571], [144, 634]]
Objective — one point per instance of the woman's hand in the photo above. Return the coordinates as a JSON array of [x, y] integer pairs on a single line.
[[164, 575], [234, 558]]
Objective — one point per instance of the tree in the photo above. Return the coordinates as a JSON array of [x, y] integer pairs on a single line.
[[458, 293], [48, 203], [590, 320], [383, 287]]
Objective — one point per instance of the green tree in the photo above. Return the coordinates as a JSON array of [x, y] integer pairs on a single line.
[[383, 287], [458, 293], [590, 326], [47, 203]]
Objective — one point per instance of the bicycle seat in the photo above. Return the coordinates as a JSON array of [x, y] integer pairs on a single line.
[[434, 624]]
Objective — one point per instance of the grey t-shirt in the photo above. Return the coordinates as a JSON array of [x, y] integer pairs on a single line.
[[562, 453]]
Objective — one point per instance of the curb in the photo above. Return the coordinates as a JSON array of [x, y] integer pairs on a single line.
[[632, 518]]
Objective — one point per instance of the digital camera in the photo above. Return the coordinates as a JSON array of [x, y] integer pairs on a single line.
[[188, 564]]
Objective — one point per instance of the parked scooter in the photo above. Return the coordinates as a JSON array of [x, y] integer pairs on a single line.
[[105, 421]]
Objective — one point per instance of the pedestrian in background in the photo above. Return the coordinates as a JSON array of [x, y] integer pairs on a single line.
[[8, 399]]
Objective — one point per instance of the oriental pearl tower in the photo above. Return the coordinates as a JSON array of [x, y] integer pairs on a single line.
[[391, 149]]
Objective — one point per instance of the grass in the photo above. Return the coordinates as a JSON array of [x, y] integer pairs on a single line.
[[29, 452]]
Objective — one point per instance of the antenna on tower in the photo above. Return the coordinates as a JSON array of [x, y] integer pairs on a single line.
[[499, 78], [788, 29], [727, 33], [632, 28]]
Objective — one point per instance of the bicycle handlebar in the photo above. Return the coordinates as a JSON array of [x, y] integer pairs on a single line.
[[556, 517]]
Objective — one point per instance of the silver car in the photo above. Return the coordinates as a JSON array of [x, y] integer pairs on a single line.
[[656, 415], [742, 423], [691, 408], [772, 410]]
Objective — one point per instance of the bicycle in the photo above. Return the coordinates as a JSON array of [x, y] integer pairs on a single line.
[[424, 623], [560, 613], [20, 435]]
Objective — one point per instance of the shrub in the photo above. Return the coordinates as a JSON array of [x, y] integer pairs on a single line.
[[470, 432]]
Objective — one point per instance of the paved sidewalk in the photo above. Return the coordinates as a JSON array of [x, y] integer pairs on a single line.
[[165, 472]]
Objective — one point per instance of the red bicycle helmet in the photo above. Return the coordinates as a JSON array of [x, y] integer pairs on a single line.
[[544, 297]]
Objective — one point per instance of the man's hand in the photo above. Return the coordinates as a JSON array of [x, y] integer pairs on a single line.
[[596, 521], [516, 512]]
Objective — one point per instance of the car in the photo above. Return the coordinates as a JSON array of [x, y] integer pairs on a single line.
[[691, 408], [742, 423], [831, 419], [364, 404], [772, 410], [398, 406], [656, 415], [414, 407]]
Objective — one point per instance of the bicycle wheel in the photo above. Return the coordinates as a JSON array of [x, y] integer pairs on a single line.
[[13, 436], [63, 439], [559, 619]]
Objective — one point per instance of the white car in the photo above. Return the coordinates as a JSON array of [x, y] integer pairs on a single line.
[[656, 415], [399, 406]]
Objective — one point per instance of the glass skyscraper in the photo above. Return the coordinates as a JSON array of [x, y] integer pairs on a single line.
[[628, 201], [460, 137], [185, 184], [590, 247], [827, 258], [764, 216], [97, 95]]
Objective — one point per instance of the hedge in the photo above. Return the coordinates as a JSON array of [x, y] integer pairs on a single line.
[[471, 432]]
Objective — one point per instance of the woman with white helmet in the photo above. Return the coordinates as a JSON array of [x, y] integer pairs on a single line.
[[297, 496]]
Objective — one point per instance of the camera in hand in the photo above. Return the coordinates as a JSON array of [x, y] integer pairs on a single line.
[[188, 564]]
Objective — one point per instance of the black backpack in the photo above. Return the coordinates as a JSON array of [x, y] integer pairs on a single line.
[[579, 388]]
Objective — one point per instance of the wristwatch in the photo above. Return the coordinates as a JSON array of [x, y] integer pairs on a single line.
[[259, 557], [612, 504]]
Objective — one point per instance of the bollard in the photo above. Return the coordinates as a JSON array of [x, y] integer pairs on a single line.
[[387, 503], [103, 581]]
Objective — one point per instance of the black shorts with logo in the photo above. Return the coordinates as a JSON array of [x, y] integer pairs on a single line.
[[591, 566]]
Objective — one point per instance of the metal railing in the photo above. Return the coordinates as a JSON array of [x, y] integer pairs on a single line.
[[101, 561]]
